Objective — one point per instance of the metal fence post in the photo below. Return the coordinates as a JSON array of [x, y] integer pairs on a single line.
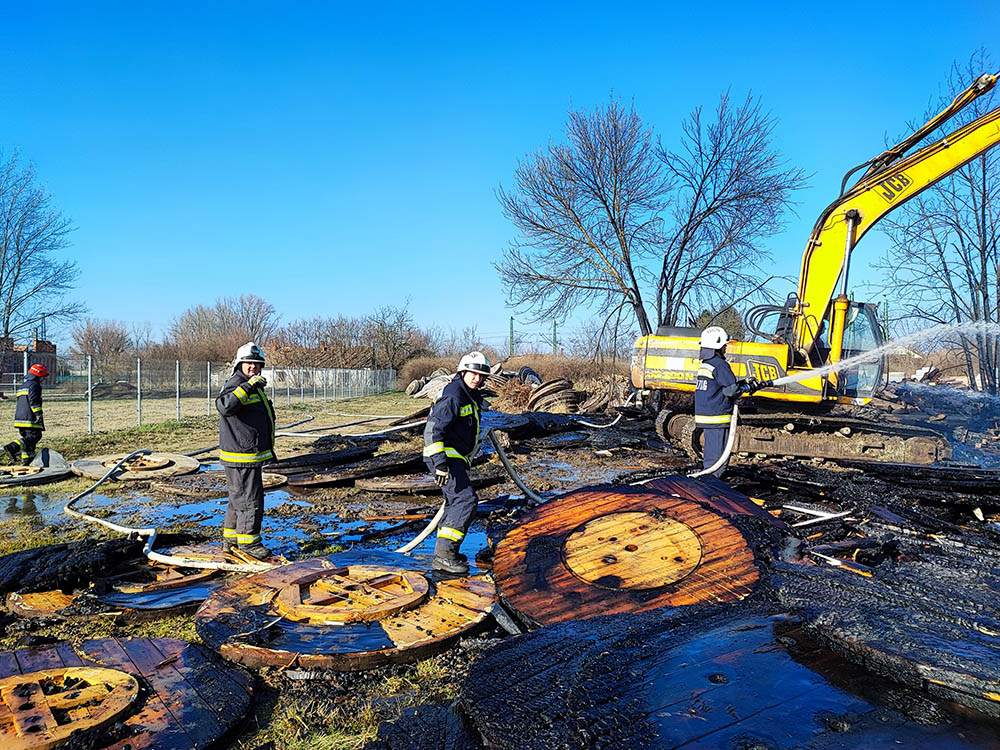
[[138, 390], [314, 383], [302, 387], [90, 395], [25, 365], [177, 387], [208, 388], [288, 388], [326, 372]]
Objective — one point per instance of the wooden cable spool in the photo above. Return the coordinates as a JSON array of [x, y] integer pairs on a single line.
[[145, 467], [193, 698], [40, 710], [318, 614], [47, 466], [146, 589], [610, 550]]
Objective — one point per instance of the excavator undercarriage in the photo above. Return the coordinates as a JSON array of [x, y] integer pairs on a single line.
[[828, 437]]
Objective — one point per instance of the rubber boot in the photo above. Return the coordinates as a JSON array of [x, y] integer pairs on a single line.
[[228, 545], [256, 550], [447, 559], [13, 450]]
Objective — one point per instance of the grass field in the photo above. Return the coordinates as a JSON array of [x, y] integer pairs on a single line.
[[68, 418]]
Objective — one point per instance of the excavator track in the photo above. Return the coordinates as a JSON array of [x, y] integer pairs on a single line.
[[828, 437]]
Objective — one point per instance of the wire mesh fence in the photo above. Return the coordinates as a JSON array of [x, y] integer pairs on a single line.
[[172, 389]]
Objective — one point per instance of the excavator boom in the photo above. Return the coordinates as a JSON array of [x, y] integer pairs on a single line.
[[891, 180]]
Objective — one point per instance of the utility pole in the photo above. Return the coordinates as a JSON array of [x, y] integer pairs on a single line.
[[511, 348], [555, 342]]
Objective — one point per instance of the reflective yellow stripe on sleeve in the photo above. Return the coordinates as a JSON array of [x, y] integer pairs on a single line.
[[452, 453], [706, 371], [433, 449], [465, 410], [717, 419]]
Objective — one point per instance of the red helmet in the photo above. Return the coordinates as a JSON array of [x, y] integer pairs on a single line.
[[39, 370]]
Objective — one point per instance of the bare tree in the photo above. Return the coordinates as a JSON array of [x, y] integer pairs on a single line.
[[610, 222], [729, 192], [214, 333], [393, 335], [587, 214], [942, 265], [107, 342], [34, 278]]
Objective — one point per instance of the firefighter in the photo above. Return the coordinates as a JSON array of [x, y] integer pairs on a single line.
[[451, 439], [715, 393], [28, 416], [246, 441]]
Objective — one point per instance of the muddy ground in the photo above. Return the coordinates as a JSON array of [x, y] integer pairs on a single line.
[[346, 709]]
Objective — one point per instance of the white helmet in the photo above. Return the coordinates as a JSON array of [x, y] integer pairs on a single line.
[[249, 352], [474, 362], [714, 337]]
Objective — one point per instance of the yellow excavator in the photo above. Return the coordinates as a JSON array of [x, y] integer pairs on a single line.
[[817, 326]]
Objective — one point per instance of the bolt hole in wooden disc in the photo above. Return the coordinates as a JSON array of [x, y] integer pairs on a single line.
[[660, 551]]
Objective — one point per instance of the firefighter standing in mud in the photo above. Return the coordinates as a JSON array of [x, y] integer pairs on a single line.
[[451, 439], [246, 441], [28, 416], [714, 395]]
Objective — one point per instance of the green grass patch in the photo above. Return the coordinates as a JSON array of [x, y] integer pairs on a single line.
[[162, 436]]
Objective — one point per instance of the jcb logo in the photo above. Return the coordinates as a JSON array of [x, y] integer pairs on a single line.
[[891, 187], [763, 371]]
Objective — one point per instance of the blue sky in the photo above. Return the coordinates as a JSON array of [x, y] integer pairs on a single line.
[[336, 157]]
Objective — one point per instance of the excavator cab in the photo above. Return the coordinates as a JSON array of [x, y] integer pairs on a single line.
[[862, 333]]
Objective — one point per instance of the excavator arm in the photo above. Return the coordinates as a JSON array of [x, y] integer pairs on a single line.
[[891, 179]]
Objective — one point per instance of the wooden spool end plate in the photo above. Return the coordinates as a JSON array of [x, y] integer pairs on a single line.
[[319, 614], [46, 466], [144, 590], [192, 698], [141, 468], [614, 550], [39, 710]]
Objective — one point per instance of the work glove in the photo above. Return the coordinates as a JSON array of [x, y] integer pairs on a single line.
[[257, 381], [441, 476], [748, 386]]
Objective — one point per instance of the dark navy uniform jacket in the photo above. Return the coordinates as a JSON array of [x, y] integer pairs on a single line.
[[714, 392], [246, 430], [452, 429], [28, 412]]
